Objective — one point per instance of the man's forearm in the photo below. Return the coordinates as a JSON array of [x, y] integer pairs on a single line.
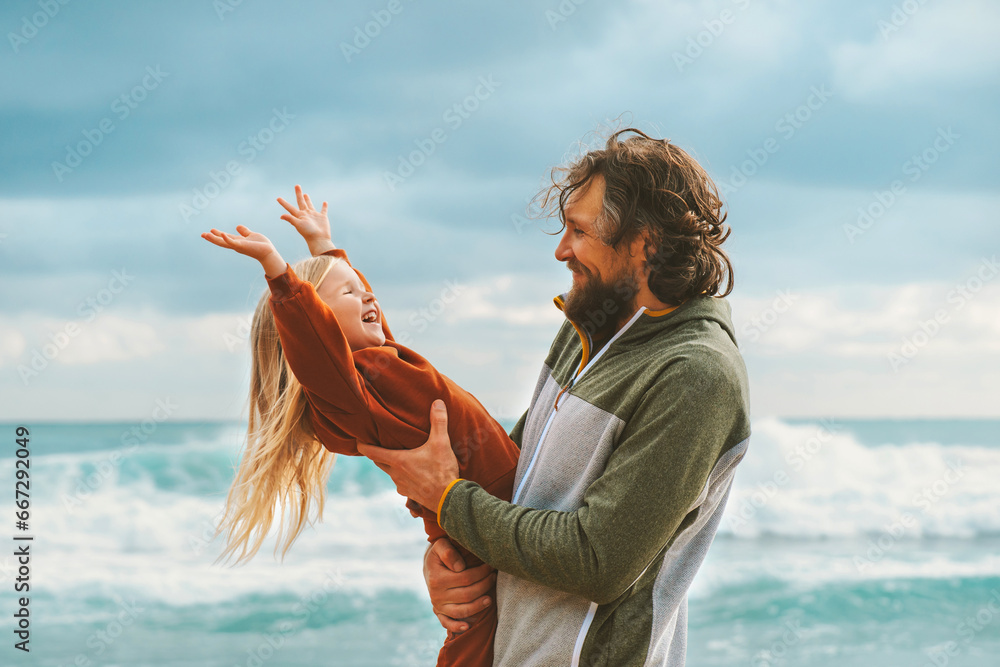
[[545, 546]]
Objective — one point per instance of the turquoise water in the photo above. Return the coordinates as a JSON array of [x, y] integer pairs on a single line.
[[866, 542]]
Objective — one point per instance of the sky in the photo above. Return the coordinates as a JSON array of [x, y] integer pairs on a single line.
[[855, 144]]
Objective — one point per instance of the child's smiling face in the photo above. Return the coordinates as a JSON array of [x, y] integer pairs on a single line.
[[354, 306]]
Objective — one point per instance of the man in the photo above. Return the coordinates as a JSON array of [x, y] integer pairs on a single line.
[[628, 449]]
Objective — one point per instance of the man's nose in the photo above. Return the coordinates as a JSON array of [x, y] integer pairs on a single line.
[[563, 250]]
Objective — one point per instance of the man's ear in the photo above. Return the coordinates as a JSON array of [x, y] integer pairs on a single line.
[[638, 248]]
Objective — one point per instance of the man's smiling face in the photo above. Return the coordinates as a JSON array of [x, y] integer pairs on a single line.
[[605, 282]]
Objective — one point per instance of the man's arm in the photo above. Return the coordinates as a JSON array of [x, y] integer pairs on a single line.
[[652, 481]]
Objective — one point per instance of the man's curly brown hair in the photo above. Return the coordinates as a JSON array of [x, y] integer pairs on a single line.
[[652, 185]]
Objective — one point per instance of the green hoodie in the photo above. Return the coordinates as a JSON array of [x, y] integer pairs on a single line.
[[620, 487]]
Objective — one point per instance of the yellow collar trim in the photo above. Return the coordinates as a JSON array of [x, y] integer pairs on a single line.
[[665, 311]]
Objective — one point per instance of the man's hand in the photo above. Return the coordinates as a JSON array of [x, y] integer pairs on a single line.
[[250, 244], [425, 472], [313, 225], [457, 594]]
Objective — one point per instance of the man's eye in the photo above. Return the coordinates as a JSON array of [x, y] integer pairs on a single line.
[[578, 232]]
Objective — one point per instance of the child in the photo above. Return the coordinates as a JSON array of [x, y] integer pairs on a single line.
[[326, 368]]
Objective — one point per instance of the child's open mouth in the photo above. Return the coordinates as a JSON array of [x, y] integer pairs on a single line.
[[371, 317]]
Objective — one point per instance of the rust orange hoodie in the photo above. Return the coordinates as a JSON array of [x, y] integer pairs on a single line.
[[382, 396]]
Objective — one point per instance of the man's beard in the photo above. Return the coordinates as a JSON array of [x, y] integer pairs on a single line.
[[599, 305]]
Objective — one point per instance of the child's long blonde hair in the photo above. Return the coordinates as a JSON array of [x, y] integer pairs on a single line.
[[283, 460]]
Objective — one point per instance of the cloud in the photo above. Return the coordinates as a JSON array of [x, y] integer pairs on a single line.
[[502, 300], [920, 48], [12, 344], [454, 219], [108, 337], [871, 322]]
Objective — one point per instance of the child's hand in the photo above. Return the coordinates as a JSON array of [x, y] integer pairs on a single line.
[[313, 225], [250, 244]]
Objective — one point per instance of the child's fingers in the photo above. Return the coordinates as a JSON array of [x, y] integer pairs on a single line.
[[211, 238], [231, 240], [308, 201], [288, 207], [324, 209], [220, 239], [243, 230], [298, 197]]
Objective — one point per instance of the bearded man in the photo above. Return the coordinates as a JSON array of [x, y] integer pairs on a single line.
[[637, 422]]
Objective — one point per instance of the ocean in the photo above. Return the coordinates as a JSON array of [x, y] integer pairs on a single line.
[[845, 543]]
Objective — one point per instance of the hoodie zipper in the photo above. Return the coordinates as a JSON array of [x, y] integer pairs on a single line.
[[583, 369]]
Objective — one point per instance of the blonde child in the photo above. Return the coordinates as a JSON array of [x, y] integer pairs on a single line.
[[327, 375]]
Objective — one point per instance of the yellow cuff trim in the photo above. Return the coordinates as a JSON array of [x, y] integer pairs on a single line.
[[445, 495]]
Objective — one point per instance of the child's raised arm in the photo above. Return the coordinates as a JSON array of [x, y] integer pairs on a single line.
[[312, 225], [251, 244]]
